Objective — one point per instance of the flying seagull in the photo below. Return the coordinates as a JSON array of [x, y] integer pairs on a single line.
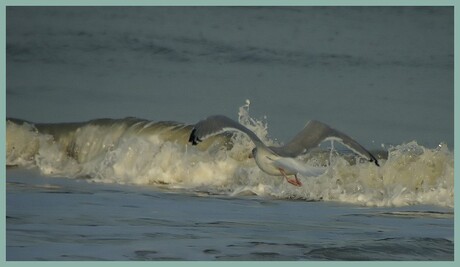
[[281, 161]]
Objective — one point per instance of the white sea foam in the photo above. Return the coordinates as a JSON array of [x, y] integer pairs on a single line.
[[139, 152]]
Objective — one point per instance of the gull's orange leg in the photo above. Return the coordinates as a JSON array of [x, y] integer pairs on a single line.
[[295, 181]]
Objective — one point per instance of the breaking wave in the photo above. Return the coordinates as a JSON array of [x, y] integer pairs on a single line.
[[141, 152]]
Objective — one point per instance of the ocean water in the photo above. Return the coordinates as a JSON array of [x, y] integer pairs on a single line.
[[101, 102]]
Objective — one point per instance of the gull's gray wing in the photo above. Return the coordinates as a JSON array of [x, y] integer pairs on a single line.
[[313, 134], [217, 124]]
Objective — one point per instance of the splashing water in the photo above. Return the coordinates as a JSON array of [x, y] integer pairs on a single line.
[[141, 152]]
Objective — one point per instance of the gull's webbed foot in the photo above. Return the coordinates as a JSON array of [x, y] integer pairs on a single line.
[[295, 181]]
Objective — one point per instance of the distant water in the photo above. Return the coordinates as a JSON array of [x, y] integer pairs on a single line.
[[382, 75], [101, 101]]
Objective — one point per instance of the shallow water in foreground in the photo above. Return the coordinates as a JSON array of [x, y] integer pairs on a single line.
[[132, 189], [73, 219]]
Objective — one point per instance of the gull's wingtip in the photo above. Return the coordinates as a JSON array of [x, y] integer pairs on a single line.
[[193, 138], [376, 162], [374, 159]]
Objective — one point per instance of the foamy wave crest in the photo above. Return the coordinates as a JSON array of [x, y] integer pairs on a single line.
[[141, 152]]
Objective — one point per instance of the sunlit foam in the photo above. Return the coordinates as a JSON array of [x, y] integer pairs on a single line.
[[139, 152]]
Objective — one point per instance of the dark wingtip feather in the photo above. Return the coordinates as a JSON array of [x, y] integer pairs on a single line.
[[374, 159], [193, 138]]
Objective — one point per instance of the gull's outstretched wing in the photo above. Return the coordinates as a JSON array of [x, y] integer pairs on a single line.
[[313, 134], [217, 124]]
